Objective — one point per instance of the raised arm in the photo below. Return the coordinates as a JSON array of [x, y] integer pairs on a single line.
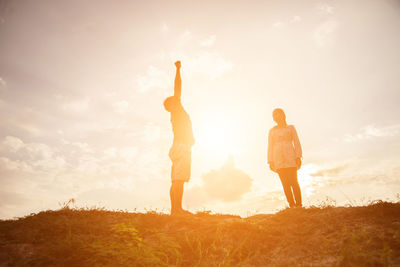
[[178, 80]]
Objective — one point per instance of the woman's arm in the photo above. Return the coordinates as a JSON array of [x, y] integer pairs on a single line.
[[270, 151], [297, 147]]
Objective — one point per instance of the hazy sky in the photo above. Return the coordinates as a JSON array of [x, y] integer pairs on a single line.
[[82, 85]]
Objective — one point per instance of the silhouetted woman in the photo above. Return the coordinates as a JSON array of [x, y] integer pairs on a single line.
[[284, 156]]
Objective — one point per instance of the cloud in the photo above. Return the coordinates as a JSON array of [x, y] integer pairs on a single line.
[[350, 181], [78, 105], [185, 38], [329, 172], [208, 41], [325, 8], [7, 165], [295, 19], [209, 64], [11, 143], [227, 183], [164, 28], [47, 174], [151, 133], [323, 35], [195, 61], [278, 24], [121, 107], [18, 155], [370, 131], [129, 153], [154, 78], [2, 83]]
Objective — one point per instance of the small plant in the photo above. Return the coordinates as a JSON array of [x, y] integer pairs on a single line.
[[65, 205]]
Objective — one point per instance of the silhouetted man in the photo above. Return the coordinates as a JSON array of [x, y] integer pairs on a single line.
[[181, 150]]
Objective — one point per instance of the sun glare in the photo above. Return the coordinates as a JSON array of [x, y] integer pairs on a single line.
[[219, 134], [305, 178]]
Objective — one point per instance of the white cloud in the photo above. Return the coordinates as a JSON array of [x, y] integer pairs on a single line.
[[151, 133], [209, 64], [325, 8], [208, 41], [295, 19], [199, 62], [370, 131], [129, 153], [82, 147], [30, 128], [323, 35], [38, 151], [12, 143], [154, 78], [2, 83], [164, 28], [29, 156], [121, 107], [278, 24], [110, 153], [329, 171], [185, 38], [227, 184], [10, 165], [78, 105]]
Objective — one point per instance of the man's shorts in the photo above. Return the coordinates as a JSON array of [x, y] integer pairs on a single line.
[[181, 157]]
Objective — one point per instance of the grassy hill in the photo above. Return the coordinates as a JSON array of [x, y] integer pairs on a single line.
[[315, 236]]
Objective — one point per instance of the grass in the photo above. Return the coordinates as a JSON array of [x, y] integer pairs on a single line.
[[315, 236]]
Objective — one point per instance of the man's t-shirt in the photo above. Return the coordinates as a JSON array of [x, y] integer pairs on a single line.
[[182, 126]]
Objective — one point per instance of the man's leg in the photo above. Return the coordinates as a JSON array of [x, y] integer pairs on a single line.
[[176, 194], [173, 200], [180, 173], [283, 175], [179, 194], [172, 193]]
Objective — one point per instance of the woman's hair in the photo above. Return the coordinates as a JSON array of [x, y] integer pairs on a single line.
[[279, 115]]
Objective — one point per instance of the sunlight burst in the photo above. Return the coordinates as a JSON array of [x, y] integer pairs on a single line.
[[219, 134]]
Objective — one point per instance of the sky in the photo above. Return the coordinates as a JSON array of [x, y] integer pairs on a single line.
[[82, 85]]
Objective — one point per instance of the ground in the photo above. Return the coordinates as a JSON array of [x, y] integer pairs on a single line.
[[314, 236]]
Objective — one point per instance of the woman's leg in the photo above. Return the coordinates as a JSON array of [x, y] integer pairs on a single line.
[[294, 184], [284, 175]]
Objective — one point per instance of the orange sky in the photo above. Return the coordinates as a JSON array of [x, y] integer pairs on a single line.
[[82, 85]]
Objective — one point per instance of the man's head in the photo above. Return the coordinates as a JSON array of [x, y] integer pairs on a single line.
[[171, 103]]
